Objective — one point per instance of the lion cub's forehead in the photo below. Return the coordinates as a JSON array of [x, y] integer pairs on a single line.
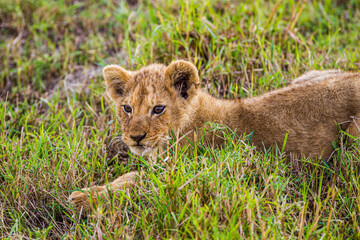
[[147, 86], [152, 74]]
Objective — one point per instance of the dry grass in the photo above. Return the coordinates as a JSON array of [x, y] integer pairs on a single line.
[[56, 123]]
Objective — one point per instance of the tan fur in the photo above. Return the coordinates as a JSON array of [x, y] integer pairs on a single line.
[[80, 199], [308, 111], [315, 76]]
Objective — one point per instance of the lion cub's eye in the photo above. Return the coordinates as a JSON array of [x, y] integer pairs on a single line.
[[158, 109], [127, 109]]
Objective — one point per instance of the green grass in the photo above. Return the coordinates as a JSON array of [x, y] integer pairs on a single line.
[[55, 118]]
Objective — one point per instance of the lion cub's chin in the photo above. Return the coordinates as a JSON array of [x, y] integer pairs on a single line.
[[142, 150]]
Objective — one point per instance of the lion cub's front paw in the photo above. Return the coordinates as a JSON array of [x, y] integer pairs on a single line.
[[81, 199]]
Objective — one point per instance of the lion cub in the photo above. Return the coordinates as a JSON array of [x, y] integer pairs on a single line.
[[158, 98]]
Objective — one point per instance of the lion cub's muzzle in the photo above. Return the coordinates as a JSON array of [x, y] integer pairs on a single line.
[[138, 144], [138, 138], [134, 139]]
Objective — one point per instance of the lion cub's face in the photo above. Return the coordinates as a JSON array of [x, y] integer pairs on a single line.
[[152, 101]]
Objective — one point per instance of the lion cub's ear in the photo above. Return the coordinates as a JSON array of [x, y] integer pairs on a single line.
[[184, 77], [115, 79]]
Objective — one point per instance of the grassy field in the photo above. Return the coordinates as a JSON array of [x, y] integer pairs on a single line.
[[57, 126]]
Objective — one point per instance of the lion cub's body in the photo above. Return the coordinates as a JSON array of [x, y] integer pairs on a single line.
[[158, 99], [308, 111]]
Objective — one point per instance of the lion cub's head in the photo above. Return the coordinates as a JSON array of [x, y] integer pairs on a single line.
[[152, 101]]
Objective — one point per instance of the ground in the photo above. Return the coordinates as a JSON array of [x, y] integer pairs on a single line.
[[58, 130]]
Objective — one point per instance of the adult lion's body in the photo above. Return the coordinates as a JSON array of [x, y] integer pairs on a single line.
[[157, 99]]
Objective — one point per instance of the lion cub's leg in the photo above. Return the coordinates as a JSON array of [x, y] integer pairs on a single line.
[[81, 199], [354, 127]]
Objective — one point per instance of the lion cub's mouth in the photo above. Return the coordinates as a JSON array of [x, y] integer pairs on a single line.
[[140, 146], [141, 149], [145, 147]]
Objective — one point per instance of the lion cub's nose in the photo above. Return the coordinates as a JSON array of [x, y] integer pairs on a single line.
[[138, 138]]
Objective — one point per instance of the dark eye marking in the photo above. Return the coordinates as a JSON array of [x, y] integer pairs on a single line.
[[158, 109], [127, 109]]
